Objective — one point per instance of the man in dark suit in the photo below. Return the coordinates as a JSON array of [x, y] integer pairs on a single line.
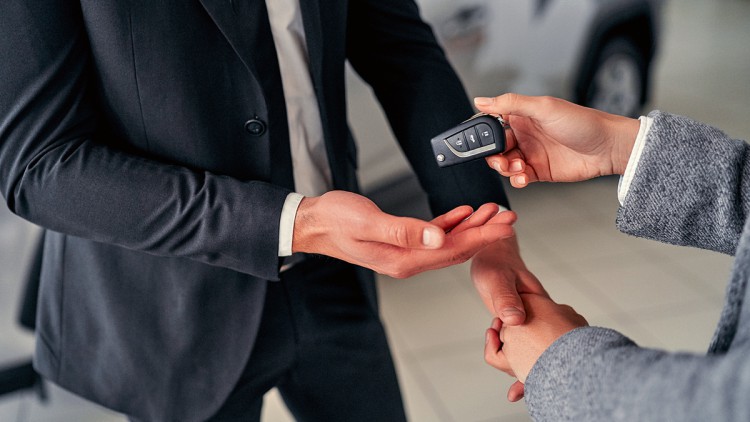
[[155, 141]]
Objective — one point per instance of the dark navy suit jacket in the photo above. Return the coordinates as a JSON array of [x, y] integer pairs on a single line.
[[122, 132]]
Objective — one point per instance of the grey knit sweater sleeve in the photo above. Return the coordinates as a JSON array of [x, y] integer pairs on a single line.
[[597, 374], [691, 188]]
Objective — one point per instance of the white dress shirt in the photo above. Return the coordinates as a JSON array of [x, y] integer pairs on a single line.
[[312, 172]]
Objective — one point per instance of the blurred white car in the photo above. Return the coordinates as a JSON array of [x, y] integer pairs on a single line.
[[594, 52]]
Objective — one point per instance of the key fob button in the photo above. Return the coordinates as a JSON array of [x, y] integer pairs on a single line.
[[485, 134], [458, 142], [471, 138]]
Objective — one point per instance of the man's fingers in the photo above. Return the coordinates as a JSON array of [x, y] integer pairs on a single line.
[[452, 218], [515, 392], [405, 232], [463, 218], [456, 248], [459, 247], [482, 215], [470, 241], [504, 217]]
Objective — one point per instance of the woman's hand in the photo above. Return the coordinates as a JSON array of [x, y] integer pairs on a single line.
[[515, 349], [553, 140]]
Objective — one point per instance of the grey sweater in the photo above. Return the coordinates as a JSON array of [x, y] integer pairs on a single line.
[[692, 188]]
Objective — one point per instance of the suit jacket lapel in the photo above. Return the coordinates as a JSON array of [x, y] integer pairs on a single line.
[[240, 27]]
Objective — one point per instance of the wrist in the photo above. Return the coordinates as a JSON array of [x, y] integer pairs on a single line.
[[306, 224], [624, 132], [505, 251]]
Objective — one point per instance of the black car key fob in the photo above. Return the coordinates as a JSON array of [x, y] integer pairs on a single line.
[[478, 137]]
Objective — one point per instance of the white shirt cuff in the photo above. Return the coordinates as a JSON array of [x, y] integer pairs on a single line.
[[286, 223], [635, 157]]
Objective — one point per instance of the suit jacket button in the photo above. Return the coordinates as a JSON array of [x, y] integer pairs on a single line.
[[255, 127]]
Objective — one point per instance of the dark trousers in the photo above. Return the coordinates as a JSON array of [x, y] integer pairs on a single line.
[[321, 343]]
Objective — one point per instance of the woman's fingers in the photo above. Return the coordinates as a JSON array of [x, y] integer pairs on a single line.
[[493, 353], [515, 392], [507, 164]]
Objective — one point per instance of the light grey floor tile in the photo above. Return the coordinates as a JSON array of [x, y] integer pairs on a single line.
[[628, 326], [16, 239], [579, 242], [469, 388], [563, 288], [10, 407], [705, 270], [544, 204], [637, 287], [432, 309], [688, 330], [66, 407], [421, 401], [15, 345]]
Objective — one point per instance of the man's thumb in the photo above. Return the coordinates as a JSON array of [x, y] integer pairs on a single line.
[[509, 308], [411, 233]]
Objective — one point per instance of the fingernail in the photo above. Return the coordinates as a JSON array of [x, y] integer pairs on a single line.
[[486, 338], [482, 101], [496, 166], [431, 237], [511, 312], [515, 165]]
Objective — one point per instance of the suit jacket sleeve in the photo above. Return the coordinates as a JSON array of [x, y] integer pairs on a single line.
[[395, 52], [690, 189], [692, 186], [56, 173]]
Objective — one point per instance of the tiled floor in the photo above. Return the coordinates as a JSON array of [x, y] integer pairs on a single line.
[[661, 296]]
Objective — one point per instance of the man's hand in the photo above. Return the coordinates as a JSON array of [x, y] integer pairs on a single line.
[[352, 228], [500, 275], [515, 349], [554, 140]]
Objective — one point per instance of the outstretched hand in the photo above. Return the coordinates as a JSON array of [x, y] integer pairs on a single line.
[[352, 228], [553, 140]]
